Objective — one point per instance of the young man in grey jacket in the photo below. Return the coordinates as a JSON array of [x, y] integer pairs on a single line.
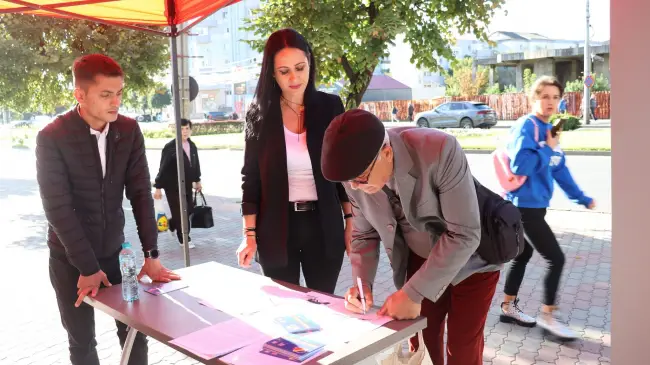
[[412, 189]]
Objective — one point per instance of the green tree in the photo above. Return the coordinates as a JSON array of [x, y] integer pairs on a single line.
[[144, 103], [493, 90], [600, 84], [529, 79], [510, 89], [35, 73], [462, 82], [350, 36], [161, 98], [131, 99]]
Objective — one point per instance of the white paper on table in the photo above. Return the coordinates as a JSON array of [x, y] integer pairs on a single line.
[[338, 305], [230, 298], [220, 339], [336, 327]]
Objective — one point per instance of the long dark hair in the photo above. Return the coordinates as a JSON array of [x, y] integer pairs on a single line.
[[267, 93]]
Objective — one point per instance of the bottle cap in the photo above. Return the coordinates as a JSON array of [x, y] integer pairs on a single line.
[[126, 245]]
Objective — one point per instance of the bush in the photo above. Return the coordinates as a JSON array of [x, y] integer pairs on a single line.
[[214, 127], [199, 129], [572, 123], [493, 90], [601, 83], [161, 133], [19, 141]]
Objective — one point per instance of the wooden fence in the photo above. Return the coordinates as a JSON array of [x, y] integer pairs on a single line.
[[507, 106]]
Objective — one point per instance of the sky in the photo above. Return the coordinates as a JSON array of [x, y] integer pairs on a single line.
[[559, 19]]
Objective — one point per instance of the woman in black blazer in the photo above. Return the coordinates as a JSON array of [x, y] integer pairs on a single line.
[[293, 217]]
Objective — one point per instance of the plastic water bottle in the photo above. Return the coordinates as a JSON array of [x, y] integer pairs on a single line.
[[129, 273]]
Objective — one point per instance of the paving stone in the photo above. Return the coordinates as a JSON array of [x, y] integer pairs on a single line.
[[585, 292]]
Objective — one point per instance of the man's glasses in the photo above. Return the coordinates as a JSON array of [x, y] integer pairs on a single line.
[[363, 180]]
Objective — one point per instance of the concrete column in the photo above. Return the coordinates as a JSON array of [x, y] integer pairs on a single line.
[[491, 75], [602, 67], [474, 69], [544, 67], [519, 76], [573, 74], [630, 198]]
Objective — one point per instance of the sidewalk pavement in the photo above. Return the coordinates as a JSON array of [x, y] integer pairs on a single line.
[[32, 334]]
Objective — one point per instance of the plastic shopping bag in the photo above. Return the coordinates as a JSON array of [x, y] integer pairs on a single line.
[[161, 216], [398, 357]]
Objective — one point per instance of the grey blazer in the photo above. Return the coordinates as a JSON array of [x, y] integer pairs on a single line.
[[435, 186]]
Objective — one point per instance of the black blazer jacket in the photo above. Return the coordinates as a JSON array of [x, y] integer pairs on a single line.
[[167, 177], [266, 184]]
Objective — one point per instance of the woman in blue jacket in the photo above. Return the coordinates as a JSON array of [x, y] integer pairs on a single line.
[[535, 153]]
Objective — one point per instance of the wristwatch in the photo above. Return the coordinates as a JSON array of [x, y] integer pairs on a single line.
[[153, 254]]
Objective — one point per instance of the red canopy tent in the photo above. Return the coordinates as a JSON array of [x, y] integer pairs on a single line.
[[167, 15]]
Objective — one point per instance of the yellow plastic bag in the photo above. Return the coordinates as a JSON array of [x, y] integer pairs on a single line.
[[161, 216]]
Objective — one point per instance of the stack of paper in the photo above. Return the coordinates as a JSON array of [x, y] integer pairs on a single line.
[[292, 348]]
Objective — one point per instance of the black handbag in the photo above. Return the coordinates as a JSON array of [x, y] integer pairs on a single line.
[[201, 214]]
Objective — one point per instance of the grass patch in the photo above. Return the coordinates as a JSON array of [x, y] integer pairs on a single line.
[[213, 141], [584, 139]]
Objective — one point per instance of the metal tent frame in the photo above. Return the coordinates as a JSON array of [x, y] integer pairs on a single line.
[[173, 21]]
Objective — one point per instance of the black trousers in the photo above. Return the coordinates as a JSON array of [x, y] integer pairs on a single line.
[[80, 322], [540, 237], [306, 249], [175, 207]]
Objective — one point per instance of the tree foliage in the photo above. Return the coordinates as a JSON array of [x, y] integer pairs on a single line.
[[161, 98], [529, 79], [350, 36], [463, 82], [36, 74]]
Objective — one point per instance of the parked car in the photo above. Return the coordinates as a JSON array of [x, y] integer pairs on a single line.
[[458, 114], [144, 118], [220, 115]]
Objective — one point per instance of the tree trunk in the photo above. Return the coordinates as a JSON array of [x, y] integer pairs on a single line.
[[353, 100]]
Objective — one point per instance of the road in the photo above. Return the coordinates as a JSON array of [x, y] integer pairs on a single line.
[[600, 123], [221, 175]]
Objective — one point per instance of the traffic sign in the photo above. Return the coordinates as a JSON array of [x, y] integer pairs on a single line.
[[589, 81]]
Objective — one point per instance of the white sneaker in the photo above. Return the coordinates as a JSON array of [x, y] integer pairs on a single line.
[[552, 326], [511, 313], [191, 245]]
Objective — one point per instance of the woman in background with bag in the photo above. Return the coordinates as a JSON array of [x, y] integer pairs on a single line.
[[167, 178], [535, 162]]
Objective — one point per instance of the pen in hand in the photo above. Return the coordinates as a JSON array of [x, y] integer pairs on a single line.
[[363, 297]]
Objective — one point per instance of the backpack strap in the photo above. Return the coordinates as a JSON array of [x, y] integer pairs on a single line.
[[536, 129]]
